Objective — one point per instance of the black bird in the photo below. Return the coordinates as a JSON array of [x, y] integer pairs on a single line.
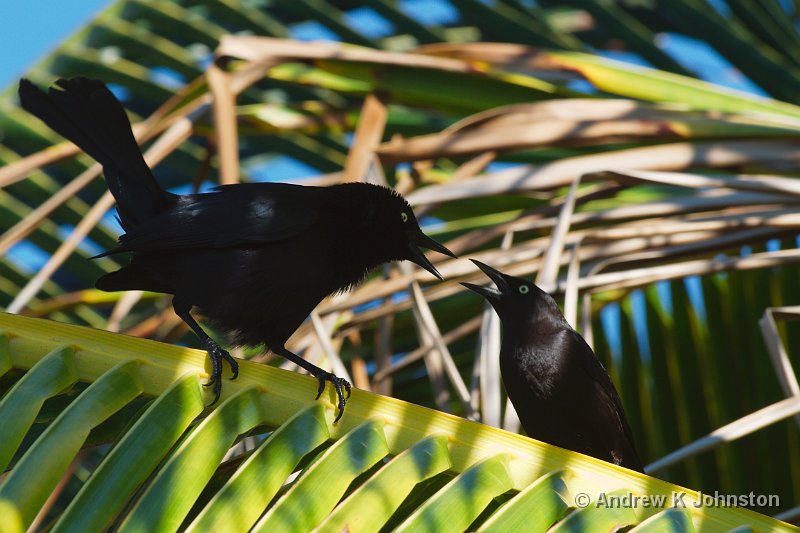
[[559, 388], [254, 259]]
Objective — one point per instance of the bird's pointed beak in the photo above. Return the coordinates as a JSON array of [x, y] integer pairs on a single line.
[[499, 279], [417, 238], [491, 294]]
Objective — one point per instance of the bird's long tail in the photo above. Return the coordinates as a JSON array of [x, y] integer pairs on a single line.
[[88, 114]]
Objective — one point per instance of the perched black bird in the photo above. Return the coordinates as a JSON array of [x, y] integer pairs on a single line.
[[254, 259], [559, 388]]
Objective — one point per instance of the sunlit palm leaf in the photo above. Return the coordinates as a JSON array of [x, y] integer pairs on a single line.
[[165, 470]]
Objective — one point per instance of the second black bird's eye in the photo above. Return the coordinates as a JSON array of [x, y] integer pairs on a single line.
[[524, 289], [404, 216]]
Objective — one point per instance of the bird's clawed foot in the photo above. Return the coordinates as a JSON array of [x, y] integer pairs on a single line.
[[217, 354], [338, 383]]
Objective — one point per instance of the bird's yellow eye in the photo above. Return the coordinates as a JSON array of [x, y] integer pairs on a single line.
[[524, 289], [404, 216]]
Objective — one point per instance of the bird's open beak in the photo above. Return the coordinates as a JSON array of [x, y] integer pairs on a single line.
[[417, 238], [491, 294]]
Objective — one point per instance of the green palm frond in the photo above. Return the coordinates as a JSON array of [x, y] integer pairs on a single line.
[[173, 466]]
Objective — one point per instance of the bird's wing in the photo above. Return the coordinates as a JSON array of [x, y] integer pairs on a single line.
[[598, 374], [232, 216]]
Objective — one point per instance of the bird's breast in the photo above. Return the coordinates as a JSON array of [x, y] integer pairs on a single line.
[[535, 367]]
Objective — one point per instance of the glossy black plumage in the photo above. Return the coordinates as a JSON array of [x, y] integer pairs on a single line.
[[253, 259], [559, 388]]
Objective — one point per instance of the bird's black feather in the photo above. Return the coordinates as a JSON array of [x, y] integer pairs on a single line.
[[254, 259], [559, 389], [259, 213], [87, 113]]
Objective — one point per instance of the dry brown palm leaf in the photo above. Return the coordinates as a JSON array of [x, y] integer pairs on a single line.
[[547, 177]]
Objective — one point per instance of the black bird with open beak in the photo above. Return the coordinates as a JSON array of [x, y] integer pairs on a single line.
[[254, 259], [559, 388]]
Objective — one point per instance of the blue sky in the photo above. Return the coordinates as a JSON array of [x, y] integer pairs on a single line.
[[34, 27]]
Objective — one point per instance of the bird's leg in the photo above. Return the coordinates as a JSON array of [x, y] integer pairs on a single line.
[[321, 375], [215, 352]]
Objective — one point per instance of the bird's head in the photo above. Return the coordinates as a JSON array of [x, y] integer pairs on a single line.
[[399, 234], [515, 297]]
